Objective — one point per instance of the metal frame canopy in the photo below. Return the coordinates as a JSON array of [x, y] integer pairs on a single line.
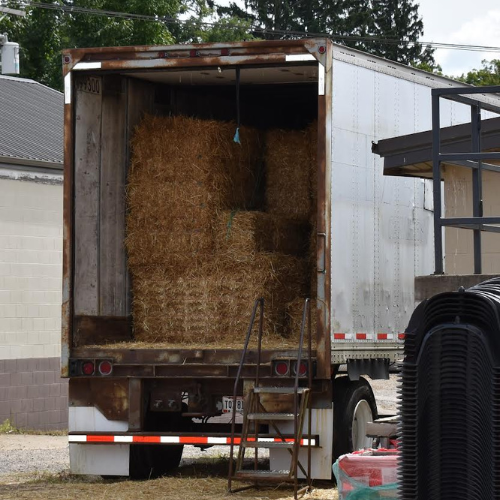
[[469, 145], [473, 160]]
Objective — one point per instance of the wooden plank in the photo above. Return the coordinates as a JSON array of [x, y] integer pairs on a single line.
[[100, 330], [87, 160], [113, 265], [141, 100], [141, 97]]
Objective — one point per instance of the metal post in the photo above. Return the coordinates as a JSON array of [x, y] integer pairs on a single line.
[[477, 184], [436, 176]]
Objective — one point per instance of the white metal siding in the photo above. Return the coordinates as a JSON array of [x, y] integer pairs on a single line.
[[382, 235]]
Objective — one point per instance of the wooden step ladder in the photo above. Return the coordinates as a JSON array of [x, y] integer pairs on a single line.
[[255, 414]]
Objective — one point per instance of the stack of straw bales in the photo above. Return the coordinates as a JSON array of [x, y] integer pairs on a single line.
[[198, 257], [182, 171], [292, 187]]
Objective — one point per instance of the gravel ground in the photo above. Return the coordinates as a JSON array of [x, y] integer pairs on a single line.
[[22, 455], [28, 454], [386, 394]]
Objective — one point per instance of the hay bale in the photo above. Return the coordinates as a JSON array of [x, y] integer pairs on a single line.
[[170, 247], [178, 150], [288, 157], [294, 313], [172, 308], [211, 305], [171, 204], [275, 277], [241, 235]]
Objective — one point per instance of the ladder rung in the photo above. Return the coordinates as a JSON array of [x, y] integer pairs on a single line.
[[266, 475], [266, 444], [270, 416], [279, 390]]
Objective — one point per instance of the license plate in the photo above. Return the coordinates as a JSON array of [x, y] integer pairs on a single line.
[[227, 404]]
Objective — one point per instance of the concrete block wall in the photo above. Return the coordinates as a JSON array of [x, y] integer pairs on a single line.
[[32, 394]]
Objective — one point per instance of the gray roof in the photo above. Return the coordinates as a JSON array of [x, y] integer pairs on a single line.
[[31, 121]]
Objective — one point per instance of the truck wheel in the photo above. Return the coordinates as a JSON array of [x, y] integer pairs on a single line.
[[354, 406], [149, 461]]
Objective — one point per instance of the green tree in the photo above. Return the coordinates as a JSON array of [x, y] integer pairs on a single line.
[[43, 33], [489, 74], [398, 20], [40, 40], [388, 28], [86, 30], [209, 22]]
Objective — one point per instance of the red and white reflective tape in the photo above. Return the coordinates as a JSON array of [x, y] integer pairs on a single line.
[[101, 438], [349, 337]]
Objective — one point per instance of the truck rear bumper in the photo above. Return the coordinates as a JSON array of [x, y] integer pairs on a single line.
[[104, 460]]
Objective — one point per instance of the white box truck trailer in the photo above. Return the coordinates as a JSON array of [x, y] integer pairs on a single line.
[[133, 406]]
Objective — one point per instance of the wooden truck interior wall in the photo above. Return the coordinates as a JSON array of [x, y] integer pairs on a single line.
[[107, 109]]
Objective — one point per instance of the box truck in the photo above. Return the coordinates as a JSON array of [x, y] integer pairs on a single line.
[[133, 404]]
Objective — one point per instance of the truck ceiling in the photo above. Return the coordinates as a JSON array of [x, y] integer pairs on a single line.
[[303, 73]]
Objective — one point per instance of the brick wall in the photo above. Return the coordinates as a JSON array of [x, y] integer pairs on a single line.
[[32, 394]]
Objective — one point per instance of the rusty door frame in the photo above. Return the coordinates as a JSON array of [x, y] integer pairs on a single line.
[[189, 56]]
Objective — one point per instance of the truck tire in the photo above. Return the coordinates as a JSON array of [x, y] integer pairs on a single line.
[[354, 406], [150, 461]]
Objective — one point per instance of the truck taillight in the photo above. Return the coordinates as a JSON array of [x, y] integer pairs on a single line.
[[105, 367], [88, 368], [281, 368], [302, 368]]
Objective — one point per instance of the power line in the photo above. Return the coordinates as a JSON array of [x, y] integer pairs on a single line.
[[68, 9]]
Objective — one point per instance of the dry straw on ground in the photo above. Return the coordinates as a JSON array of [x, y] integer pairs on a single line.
[[202, 481]]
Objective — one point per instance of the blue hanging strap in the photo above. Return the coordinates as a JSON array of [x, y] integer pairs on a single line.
[[237, 134], [229, 224]]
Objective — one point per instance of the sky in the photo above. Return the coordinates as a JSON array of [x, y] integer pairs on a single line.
[[464, 22], [468, 22]]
